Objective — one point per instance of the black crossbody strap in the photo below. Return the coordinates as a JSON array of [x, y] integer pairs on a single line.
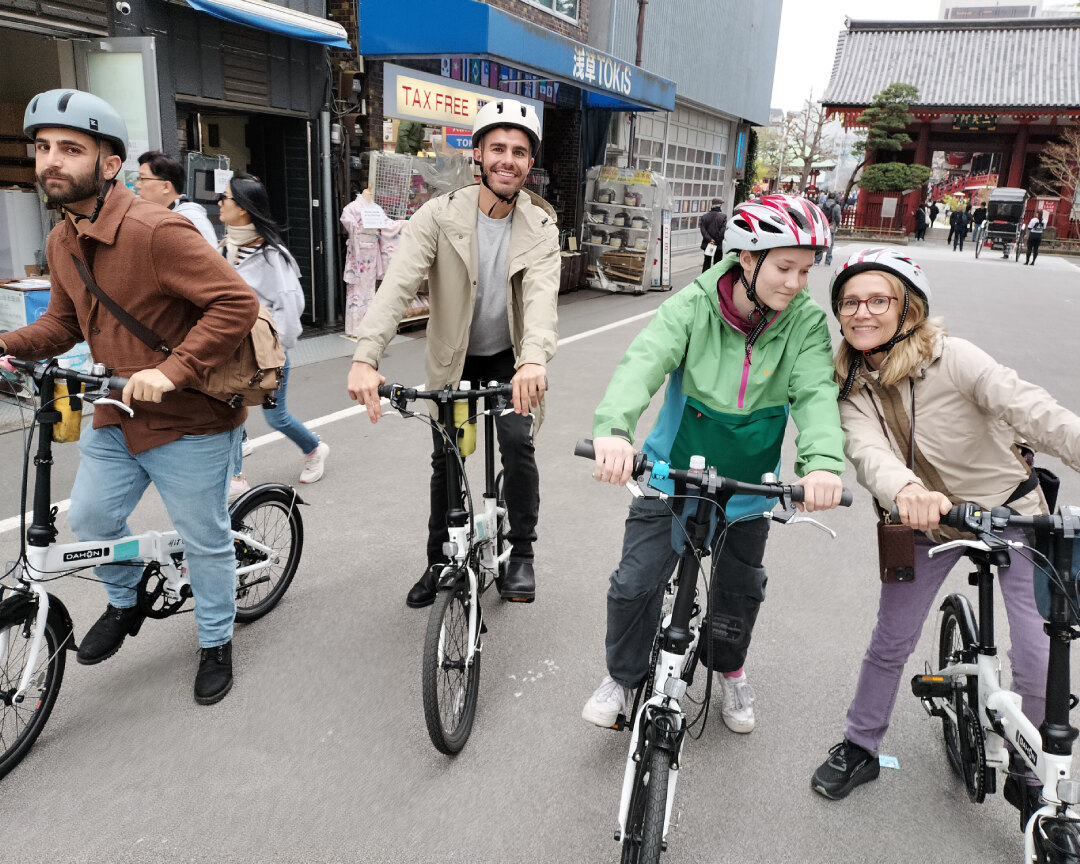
[[143, 333]]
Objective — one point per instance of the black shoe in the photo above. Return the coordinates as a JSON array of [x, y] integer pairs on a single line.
[[214, 678], [107, 635], [1025, 798], [423, 592], [848, 766], [519, 583]]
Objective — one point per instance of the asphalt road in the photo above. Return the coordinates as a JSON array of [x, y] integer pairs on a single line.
[[320, 751]]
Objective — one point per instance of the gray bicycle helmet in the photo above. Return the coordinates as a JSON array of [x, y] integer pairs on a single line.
[[74, 109]]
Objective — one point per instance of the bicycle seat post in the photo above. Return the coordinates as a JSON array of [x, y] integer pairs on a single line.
[[42, 530], [490, 404], [677, 636]]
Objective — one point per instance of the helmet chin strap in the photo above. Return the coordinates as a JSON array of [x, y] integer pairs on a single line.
[[759, 307], [883, 348], [105, 187], [508, 201]]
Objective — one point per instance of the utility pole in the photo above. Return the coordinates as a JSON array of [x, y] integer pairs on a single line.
[[637, 62]]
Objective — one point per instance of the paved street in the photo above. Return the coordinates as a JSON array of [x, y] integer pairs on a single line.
[[320, 752]]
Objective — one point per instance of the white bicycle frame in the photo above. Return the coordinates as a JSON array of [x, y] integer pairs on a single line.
[[151, 546], [1005, 707], [482, 533]]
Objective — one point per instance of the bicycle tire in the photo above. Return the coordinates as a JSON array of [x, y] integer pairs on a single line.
[[1017, 250], [978, 246], [643, 840], [450, 684], [954, 638], [272, 517], [20, 725]]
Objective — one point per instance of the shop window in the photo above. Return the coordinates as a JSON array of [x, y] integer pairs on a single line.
[[563, 8]]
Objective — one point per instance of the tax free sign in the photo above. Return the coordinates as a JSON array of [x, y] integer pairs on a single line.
[[412, 95]]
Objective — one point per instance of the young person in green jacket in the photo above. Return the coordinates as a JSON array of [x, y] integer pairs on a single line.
[[742, 347]]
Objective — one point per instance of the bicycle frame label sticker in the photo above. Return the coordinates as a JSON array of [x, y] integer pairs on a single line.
[[84, 555], [126, 551], [1027, 749]]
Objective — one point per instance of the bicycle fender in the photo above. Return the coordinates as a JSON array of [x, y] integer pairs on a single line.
[[23, 605], [282, 490], [965, 614]]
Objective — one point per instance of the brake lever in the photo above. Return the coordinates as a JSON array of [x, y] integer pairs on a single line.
[[790, 516], [116, 403]]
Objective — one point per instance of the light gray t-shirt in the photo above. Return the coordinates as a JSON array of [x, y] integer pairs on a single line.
[[490, 331]]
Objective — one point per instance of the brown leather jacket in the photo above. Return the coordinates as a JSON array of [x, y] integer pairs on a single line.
[[157, 266]]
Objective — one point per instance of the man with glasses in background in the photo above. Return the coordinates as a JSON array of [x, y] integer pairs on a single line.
[[160, 180]]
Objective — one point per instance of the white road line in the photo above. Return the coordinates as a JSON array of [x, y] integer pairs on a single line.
[[12, 523]]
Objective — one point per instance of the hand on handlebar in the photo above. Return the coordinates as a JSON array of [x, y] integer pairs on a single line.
[[146, 385], [530, 384], [363, 383], [614, 460], [921, 508], [7, 367], [821, 491]]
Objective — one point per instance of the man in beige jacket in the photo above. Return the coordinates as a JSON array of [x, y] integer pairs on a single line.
[[490, 254]]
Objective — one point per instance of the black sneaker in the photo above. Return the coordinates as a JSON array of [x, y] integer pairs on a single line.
[[107, 635], [214, 678], [423, 592], [848, 765], [1024, 797]]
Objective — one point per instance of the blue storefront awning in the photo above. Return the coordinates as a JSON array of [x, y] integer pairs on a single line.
[[275, 19], [463, 28]]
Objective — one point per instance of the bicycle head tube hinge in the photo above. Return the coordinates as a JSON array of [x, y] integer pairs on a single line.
[[1068, 791], [450, 549]]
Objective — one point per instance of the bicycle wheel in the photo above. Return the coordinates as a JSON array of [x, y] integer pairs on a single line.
[[504, 524], [644, 838], [272, 518], [450, 681], [954, 640], [21, 724], [978, 246]]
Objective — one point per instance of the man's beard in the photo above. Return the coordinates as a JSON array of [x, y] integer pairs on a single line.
[[77, 188]]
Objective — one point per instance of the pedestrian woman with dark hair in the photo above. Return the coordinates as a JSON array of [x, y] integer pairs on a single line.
[[253, 245]]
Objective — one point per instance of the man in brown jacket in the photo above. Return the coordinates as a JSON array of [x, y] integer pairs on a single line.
[[155, 265]]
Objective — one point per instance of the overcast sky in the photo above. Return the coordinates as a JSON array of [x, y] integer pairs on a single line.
[[808, 31]]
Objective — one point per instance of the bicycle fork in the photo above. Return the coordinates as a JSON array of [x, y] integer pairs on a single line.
[[36, 642]]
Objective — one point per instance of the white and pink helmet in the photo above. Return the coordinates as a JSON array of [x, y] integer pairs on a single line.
[[890, 260], [775, 221]]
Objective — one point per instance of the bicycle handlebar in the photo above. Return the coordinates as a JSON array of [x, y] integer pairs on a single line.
[[37, 369], [708, 476], [979, 520], [410, 394]]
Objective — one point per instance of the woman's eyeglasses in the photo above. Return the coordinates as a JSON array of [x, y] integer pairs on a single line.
[[221, 196], [874, 305]]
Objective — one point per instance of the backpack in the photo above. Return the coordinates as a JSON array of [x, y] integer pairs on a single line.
[[250, 377]]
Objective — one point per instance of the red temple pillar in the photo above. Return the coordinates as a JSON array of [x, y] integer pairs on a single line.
[[1019, 153], [917, 196]]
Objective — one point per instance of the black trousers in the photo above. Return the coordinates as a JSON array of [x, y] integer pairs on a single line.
[[520, 475], [709, 261], [1033, 247]]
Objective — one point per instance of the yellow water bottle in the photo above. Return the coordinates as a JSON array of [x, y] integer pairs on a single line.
[[464, 424], [68, 403]]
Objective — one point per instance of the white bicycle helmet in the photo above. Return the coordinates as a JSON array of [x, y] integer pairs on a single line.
[[74, 109], [777, 220], [507, 112]]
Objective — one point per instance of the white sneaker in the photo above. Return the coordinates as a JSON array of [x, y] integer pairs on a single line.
[[238, 486], [738, 707], [609, 701], [314, 463], [247, 448]]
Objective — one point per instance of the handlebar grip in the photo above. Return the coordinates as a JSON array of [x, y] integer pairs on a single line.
[[584, 447], [955, 518], [385, 390], [845, 498], [116, 383]]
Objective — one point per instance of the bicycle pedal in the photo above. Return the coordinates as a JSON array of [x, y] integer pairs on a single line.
[[620, 723], [932, 686]]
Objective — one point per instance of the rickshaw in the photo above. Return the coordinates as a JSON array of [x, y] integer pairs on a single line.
[[1004, 225]]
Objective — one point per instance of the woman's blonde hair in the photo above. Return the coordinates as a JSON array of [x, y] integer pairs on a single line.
[[905, 356]]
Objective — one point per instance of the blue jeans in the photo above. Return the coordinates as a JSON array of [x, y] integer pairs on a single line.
[[192, 477], [282, 421]]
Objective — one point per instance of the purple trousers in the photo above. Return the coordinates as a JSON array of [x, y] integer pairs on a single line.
[[903, 608]]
